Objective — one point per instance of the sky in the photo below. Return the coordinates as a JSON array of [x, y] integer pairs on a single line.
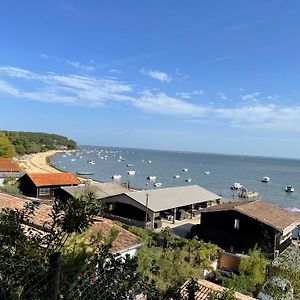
[[203, 76]]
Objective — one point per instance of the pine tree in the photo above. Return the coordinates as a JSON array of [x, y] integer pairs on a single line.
[[6, 148]]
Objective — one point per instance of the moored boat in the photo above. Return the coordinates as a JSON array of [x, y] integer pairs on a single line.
[[236, 186], [131, 172], [157, 184], [188, 180], [265, 179], [151, 177], [176, 176], [185, 170], [289, 189], [116, 176], [85, 173]]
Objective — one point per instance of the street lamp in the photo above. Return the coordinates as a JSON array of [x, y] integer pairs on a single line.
[[146, 216]]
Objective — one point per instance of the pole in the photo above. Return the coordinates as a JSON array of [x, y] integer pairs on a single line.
[[146, 216]]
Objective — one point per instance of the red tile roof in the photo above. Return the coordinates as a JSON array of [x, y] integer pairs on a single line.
[[6, 165], [206, 288], [48, 179], [41, 213], [124, 239]]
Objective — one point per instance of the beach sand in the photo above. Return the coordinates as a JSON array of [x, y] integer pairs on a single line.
[[37, 163]]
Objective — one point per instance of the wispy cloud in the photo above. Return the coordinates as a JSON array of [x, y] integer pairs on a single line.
[[222, 96], [250, 97], [250, 112], [243, 26], [72, 63], [219, 59], [70, 88], [189, 95], [158, 75], [163, 104]]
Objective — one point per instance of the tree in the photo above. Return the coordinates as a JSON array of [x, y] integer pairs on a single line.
[[228, 294], [6, 148]]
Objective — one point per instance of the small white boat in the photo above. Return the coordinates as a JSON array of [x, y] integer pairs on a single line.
[[185, 170], [131, 172], [129, 165], [265, 179], [188, 180], [157, 184], [289, 189], [236, 186], [206, 172], [73, 159], [116, 177], [149, 161], [176, 176], [91, 162], [151, 177]]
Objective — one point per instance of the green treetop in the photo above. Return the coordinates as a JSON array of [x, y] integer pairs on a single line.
[[6, 148]]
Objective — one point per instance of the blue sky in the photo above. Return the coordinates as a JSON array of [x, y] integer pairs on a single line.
[[207, 76]]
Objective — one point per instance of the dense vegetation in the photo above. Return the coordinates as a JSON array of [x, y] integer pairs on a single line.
[[6, 148], [33, 142]]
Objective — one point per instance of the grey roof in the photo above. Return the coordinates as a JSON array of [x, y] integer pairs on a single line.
[[101, 190], [167, 198]]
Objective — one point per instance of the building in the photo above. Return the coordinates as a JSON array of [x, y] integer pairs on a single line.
[[125, 242], [101, 190], [9, 169], [204, 289], [45, 185], [241, 225], [132, 207]]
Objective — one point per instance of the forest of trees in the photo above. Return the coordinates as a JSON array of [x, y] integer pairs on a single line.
[[33, 142]]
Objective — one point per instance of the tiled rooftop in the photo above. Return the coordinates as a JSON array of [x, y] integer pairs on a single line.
[[48, 179], [206, 288], [6, 165]]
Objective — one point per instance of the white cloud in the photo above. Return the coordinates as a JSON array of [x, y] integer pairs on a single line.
[[222, 96], [161, 103], [115, 71], [250, 97], [269, 116], [189, 95], [80, 66], [72, 63], [75, 89], [158, 75]]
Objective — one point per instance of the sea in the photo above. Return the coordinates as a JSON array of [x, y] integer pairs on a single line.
[[215, 172]]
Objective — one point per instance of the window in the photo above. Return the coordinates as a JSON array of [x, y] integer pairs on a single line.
[[44, 191], [237, 223]]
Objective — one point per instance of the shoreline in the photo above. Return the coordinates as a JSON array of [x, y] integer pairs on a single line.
[[38, 162]]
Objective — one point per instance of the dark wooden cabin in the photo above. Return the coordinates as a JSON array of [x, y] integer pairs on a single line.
[[45, 185], [242, 225]]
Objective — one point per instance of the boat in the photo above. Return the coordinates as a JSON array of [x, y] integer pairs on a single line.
[[188, 180], [265, 179], [85, 173], [116, 176], [206, 172], [236, 186], [73, 159], [149, 161], [151, 177], [131, 172], [289, 189], [129, 165], [176, 176], [157, 184], [245, 193], [185, 170], [91, 162]]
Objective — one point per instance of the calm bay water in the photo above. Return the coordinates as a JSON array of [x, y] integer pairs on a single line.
[[223, 170]]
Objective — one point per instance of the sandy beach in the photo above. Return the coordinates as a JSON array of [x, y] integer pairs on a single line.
[[37, 163]]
